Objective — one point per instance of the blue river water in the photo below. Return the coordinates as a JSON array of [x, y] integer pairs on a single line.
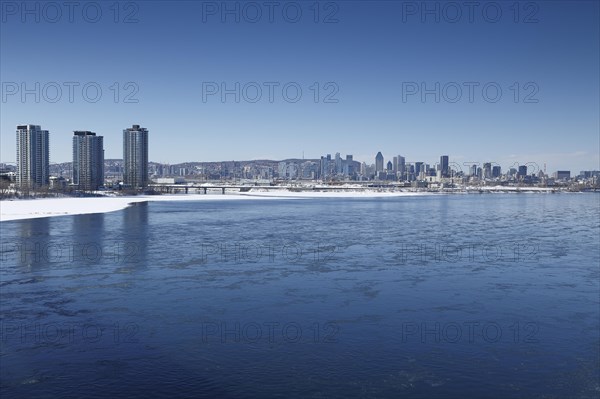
[[440, 296]]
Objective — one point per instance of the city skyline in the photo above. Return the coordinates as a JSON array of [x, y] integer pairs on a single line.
[[567, 162], [87, 170], [386, 163], [549, 116]]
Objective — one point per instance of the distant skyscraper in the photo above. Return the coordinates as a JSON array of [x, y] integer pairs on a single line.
[[338, 163], [135, 156], [487, 170], [328, 167], [33, 156], [402, 167], [322, 169], [474, 170], [522, 171], [496, 171], [379, 162], [410, 168], [349, 168], [389, 166], [444, 167], [281, 169], [419, 168], [562, 174], [88, 160]]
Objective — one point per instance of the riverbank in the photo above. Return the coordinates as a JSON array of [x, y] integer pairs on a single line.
[[18, 209], [48, 207]]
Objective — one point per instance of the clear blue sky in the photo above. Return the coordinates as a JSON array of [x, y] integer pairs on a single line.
[[368, 54]]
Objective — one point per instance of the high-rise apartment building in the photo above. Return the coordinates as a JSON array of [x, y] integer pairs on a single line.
[[33, 156], [88, 160], [135, 156]]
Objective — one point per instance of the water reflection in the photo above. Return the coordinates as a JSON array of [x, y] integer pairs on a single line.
[[89, 246], [35, 228], [86, 227], [31, 250], [134, 235], [406, 329]]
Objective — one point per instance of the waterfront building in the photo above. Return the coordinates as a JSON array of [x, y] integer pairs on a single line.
[[135, 157], [88, 160], [33, 156]]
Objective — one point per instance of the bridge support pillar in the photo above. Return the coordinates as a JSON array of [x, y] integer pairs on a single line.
[[223, 190], [204, 190]]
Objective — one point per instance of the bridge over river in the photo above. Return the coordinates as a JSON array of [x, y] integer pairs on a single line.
[[203, 188]]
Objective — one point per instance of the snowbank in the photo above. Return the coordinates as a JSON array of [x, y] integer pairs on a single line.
[[46, 207]]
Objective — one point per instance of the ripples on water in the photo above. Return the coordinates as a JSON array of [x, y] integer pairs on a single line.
[[333, 297]]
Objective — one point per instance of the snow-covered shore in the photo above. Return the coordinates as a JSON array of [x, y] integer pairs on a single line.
[[47, 207], [44, 207], [332, 194]]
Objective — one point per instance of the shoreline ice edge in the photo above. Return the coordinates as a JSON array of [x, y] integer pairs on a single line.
[[21, 209]]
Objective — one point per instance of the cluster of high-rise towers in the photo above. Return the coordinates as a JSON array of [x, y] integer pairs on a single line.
[[33, 158], [399, 169]]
